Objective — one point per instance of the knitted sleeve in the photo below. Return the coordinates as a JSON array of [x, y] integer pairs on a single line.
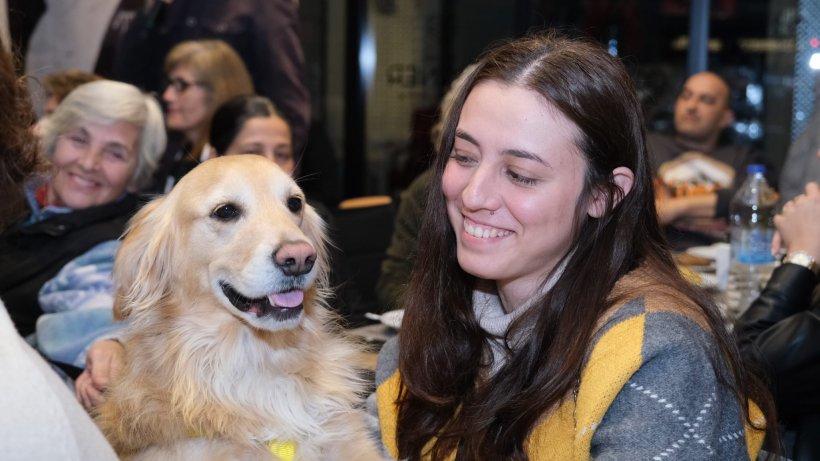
[[78, 303], [673, 406]]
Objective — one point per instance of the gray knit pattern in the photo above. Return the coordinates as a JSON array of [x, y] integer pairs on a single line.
[[672, 408]]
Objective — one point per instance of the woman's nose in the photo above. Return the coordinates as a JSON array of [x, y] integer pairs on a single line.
[[90, 160], [481, 191], [168, 94]]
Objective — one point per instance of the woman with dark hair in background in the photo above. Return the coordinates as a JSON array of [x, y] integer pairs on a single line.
[[545, 317], [252, 125]]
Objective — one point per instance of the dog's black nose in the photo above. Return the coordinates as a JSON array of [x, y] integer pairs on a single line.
[[295, 258]]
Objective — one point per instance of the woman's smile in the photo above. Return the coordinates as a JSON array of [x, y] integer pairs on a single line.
[[84, 182], [482, 231]]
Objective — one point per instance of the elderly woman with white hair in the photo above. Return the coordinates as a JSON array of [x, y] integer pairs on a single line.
[[103, 142]]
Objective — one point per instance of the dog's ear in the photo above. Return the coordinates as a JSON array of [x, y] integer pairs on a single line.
[[143, 262], [315, 229]]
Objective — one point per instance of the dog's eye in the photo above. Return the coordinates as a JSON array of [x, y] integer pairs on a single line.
[[295, 204], [226, 212]]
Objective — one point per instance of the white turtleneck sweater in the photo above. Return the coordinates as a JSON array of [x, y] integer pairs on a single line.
[[495, 320]]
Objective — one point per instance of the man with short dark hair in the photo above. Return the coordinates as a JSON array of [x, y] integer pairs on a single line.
[[698, 171]]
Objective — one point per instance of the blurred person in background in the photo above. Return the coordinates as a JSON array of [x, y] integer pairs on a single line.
[[200, 76], [252, 125], [58, 85], [401, 254], [781, 328], [802, 164], [265, 33], [698, 170], [103, 142]]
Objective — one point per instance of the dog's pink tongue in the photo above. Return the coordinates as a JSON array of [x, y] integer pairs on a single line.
[[288, 299]]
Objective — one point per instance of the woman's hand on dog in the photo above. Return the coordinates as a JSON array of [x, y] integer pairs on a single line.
[[104, 362]]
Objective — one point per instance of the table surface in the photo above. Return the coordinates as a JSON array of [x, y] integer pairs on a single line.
[[374, 336]]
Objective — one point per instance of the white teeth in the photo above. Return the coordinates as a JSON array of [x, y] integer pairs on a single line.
[[84, 181], [483, 232]]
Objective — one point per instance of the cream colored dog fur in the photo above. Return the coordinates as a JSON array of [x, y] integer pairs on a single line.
[[230, 346]]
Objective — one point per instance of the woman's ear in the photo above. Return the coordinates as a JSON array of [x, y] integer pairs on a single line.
[[623, 179]]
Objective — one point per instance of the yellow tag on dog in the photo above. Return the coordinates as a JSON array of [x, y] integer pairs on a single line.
[[286, 451]]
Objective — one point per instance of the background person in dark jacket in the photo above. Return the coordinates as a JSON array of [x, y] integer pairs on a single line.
[[781, 329], [104, 142]]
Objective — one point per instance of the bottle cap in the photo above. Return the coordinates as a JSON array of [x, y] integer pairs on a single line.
[[753, 168]]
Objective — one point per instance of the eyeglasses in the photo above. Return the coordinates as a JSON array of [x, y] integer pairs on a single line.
[[179, 85]]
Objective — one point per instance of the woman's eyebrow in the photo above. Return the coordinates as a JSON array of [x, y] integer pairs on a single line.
[[118, 145], [463, 135], [519, 153], [77, 131]]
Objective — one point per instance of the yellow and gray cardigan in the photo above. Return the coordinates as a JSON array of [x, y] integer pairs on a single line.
[[647, 391]]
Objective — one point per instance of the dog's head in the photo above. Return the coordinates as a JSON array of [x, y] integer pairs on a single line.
[[237, 231]]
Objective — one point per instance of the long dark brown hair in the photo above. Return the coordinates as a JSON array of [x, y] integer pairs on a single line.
[[18, 145], [446, 396]]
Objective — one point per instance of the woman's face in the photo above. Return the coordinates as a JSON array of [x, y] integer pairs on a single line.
[[186, 102], [93, 164], [512, 185], [266, 136]]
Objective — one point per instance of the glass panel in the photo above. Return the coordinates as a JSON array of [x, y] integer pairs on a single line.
[[400, 58], [415, 47]]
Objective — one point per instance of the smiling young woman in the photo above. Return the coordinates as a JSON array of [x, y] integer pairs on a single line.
[[545, 317]]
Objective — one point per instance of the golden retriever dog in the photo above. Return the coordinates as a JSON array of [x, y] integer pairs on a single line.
[[231, 352]]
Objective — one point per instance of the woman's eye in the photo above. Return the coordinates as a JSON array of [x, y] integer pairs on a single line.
[[226, 212], [527, 181], [460, 158], [78, 140], [295, 204], [116, 154]]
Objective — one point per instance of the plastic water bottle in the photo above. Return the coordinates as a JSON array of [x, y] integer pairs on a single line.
[[752, 227]]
